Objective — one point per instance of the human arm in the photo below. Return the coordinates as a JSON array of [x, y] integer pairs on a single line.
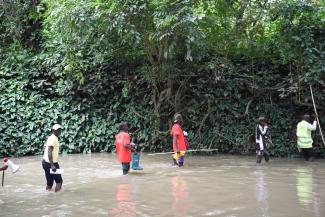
[[299, 149], [313, 126], [128, 146], [126, 143], [263, 130], [175, 141], [4, 167], [260, 132], [50, 151]]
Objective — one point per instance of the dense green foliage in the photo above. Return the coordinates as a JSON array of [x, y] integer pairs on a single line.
[[90, 64]]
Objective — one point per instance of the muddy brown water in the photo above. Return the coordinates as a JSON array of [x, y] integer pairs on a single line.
[[207, 186]]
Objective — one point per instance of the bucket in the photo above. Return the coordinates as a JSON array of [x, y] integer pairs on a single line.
[[11, 165]]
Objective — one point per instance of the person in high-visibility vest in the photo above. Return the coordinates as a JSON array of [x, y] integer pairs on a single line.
[[304, 139]]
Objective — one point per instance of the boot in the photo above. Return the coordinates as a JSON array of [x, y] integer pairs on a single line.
[[175, 162], [181, 161], [136, 161], [125, 168], [125, 172]]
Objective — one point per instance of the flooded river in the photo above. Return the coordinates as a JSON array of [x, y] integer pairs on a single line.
[[206, 186]]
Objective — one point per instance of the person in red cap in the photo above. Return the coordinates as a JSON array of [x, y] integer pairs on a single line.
[[179, 146], [123, 147]]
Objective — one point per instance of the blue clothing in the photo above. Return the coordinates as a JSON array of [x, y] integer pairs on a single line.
[[136, 161]]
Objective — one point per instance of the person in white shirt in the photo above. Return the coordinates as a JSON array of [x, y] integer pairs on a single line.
[[50, 159]]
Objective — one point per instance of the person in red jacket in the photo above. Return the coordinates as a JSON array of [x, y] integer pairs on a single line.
[[179, 146], [123, 147]]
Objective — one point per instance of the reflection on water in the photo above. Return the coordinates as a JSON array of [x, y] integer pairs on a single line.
[[180, 191], [206, 186], [261, 192], [304, 185], [307, 190], [125, 205]]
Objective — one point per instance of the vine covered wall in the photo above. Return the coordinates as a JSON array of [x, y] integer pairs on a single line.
[[91, 64]]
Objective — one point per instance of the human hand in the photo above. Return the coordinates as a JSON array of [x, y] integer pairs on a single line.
[[299, 149], [128, 146], [53, 168]]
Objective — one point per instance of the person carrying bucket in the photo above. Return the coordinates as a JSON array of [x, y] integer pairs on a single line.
[[50, 159], [304, 139], [261, 140], [179, 146], [123, 147]]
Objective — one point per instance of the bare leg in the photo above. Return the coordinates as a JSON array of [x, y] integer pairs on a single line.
[[175, 162], [58, 187], [259, 157], [266, 156]]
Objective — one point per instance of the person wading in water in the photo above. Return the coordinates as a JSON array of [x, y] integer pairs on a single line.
[[304, 139], [179, 146], [123, 147], [261, 143], [50, 159]]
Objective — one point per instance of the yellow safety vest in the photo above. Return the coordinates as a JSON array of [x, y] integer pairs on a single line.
[[304, 135]]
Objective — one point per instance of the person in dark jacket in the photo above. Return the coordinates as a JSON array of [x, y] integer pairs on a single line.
[[261, 140]]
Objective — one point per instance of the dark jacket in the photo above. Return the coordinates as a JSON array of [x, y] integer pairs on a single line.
[[261, 137]]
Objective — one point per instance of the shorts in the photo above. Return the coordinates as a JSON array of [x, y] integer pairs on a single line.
[[50, 178]]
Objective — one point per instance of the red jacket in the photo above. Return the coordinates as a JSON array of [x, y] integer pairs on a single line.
[[178, 131], [124, 154]]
